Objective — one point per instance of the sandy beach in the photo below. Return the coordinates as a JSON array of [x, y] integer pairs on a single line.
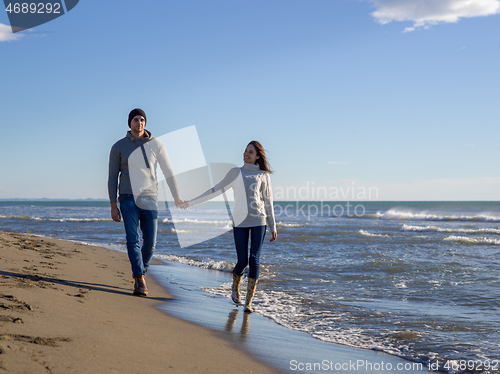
[[67, 308]]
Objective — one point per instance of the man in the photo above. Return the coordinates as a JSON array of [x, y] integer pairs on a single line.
[[133, 160]]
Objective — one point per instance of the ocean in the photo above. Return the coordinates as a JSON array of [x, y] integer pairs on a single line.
[[418, 280]]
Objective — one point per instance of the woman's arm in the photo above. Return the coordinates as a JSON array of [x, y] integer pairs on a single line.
[[267, 194], [225, 184]]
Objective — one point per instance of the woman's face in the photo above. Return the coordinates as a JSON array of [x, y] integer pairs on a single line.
[[250, 155]]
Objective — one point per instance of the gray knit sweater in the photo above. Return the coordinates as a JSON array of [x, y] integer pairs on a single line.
[[127, 162], [253, 199]]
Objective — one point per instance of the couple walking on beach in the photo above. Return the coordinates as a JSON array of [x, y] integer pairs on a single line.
[[132, 183]]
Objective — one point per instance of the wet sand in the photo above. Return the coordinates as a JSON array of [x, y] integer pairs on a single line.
[[68, 308], [285, 349]]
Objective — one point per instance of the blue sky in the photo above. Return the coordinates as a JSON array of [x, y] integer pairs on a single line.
[[400, 96]]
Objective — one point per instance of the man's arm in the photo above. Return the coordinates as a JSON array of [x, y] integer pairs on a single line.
[[115, 212], [113, 172], [168, 173]]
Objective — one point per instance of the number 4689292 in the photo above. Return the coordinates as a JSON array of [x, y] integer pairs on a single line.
[[33, 8]]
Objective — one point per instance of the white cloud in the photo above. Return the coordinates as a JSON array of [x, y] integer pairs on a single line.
[[424, 13], [6, 34]]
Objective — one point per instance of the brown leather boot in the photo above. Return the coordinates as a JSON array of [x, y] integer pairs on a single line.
[[140, 288]]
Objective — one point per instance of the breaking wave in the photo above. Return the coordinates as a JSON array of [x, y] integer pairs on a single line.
[[210, 264], [449, 230], [405, 215], [474, 241], [366, 233]]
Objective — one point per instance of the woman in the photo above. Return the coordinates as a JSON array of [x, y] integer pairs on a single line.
[[253, 208]]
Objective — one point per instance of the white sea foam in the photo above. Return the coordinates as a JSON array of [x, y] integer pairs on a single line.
[[176, 231], [63, 219], [366, 233], [449, 230], [213, 265], [469, 240], [196, 221], [281, 224], [420, 228], [289, 311], [80, 219], [404, 215], [227, 224], [401, 285]]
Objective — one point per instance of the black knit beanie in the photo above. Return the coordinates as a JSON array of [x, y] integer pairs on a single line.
[[136, 112]]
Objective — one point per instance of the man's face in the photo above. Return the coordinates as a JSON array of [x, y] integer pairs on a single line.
[[137, 124]]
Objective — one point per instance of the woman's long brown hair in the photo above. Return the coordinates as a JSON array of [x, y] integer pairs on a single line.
[[262, 160]]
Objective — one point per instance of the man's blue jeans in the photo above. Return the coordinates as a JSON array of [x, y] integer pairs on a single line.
[[135, 218], [241, 236]]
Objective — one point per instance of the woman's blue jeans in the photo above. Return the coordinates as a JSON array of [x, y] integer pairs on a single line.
[[135, 218], [241, 236]]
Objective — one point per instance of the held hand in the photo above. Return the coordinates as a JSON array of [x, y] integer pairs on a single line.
[[274, 236], [115, 213], [181, 204]]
